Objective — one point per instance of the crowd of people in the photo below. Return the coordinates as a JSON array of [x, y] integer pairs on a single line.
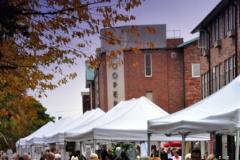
[[107, 154], [175, 154]]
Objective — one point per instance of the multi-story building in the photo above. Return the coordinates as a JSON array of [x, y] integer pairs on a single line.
[[219, 46], [150, 65]]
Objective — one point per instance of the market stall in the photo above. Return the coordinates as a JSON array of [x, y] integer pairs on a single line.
[[225, 100], [126, 122]]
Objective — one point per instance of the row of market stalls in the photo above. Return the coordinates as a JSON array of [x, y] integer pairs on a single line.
[[126, 122], [218, 113], [139, 120]]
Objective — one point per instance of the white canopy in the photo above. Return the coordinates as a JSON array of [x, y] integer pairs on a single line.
[[127, 121], [40, 131], [78, 132], [57, 135], [39, 138], [225, 100], [223, 123]]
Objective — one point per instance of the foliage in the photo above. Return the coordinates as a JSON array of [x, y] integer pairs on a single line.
[[20, 120], [38, 39]]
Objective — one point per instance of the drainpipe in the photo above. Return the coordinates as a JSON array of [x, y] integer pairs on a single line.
[[184, 85], [236, 37]]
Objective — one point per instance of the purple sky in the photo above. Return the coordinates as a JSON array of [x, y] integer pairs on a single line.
[[181, 15]]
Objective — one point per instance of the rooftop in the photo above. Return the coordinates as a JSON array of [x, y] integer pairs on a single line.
[[218, 9], [188, 42]]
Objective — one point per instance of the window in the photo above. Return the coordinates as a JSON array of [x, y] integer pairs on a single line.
[[149, 95], [229, 19], [215, 30], [226, 22], [226, 72], [217, 77], [213, 79], [148, 65], [195, 70], [229, 69], [203, 41], [205, 84]]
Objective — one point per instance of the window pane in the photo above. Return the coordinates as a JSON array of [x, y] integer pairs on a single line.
[[149, 95], [148, 65], [226, 22], [226, 72], [195, 70]]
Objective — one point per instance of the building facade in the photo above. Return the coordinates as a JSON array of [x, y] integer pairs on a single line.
[[162, 72], [219, 44]]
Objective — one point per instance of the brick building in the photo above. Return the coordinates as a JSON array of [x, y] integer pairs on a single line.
[[219, 44], [163, 72]]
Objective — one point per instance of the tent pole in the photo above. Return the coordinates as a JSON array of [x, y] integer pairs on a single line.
[[183, 146], [148, 144], [94, 145], [159, 148], [80, 145], [237, 145]]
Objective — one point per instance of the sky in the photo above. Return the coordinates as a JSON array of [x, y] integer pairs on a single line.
[[180, 15]]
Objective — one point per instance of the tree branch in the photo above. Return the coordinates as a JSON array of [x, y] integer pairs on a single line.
[[62, 11]]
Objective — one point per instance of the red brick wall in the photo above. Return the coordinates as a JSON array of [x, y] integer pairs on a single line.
[[103, 84], [172, 43], [192, 84], [166, 82]]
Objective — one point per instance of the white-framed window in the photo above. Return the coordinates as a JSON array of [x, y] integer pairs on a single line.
[[148, 65], [196, 70], [149, 95]]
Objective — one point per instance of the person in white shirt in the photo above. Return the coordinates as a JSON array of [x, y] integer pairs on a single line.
[[176, 155]]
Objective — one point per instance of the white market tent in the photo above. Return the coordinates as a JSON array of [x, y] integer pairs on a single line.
[[40, 131], [57, 135], [53, 134], [127, 121], [225, 100], [223, 123], [39, 138], [77, 133]]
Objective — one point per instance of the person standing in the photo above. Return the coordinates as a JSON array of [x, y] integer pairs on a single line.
[[163, 154], [176, 155]]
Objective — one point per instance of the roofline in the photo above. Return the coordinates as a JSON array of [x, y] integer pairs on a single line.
[[188, 42], [136, 25], [218, 8]]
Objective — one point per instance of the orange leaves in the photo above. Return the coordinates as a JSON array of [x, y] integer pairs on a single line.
[[150, 30], [34, 54], [151, 44]]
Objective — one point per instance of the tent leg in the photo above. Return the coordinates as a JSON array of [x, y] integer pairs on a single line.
[[159, 148], [183, 146], [64, 151], [80, 147], [149, 145], [237, 145], [94, 145]]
